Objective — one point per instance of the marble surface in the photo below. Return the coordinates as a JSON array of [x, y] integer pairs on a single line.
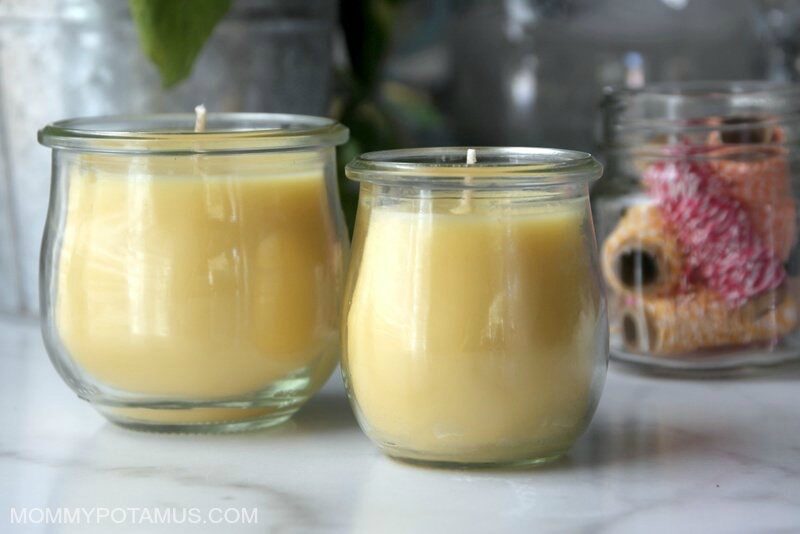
[[662, 455]]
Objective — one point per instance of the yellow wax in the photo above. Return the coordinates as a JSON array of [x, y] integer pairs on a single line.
[[475, 336], [199, 278]]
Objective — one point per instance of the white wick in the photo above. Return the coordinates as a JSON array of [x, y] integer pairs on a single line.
[[465, 204], [200, 118]]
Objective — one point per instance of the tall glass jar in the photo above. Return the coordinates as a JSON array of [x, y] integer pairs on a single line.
[[474, 328], [510, 55], [698, 224], [192, 281], [264, 55]]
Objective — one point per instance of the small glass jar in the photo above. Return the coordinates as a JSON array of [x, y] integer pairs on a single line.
[[698, 225], [192, 281], [475, 326]]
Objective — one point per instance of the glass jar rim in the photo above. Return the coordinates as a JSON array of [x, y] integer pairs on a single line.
[[173, 133], [494, 167], [671, 106]]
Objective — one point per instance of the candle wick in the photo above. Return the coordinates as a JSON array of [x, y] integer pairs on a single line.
[[472, 159], [199, 126], [465, 204], [200, 118]]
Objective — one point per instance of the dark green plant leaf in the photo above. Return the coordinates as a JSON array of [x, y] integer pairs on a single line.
[[367, 26], [411, 106], [172, 32]]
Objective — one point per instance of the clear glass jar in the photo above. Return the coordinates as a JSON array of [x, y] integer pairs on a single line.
[[698, 224], [516, 57], [264, 55], [475, 326], [192, 281]]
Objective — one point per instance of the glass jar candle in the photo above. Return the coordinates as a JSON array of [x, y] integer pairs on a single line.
[[698, 223], [474, 328], [191, 281]]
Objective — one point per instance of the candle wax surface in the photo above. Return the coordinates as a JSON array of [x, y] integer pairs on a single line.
[[477, 336], [199, 278]]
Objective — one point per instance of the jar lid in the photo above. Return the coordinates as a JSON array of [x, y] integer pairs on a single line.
[[493, 167], [174, 133]]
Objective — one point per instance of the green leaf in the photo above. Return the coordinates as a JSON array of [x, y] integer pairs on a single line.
[[367, 26], [172, 32]]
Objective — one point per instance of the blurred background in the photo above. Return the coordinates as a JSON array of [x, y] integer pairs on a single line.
[[397, 72]]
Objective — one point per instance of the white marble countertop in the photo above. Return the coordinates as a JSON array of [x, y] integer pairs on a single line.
[[662, 455]]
